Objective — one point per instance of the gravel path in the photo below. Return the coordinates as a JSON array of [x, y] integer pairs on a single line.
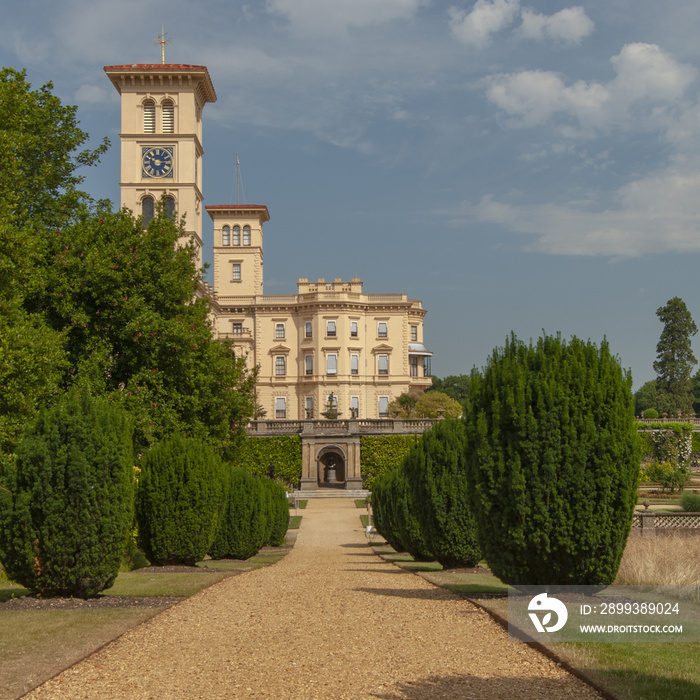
[[331, 620]]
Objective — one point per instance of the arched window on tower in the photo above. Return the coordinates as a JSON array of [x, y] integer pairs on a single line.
[[236, 235], [226, 235], [168, 117], [169, 207], [147, 210], [246, 235], [149, 117]]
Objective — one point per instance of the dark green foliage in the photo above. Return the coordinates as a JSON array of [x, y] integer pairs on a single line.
[[651, 413], [455, 386], [275, 498], [383, 510], [381, 453], [243, 526], [181, 493], [691, 502], [552, 461], [696, 442], [254, 454], [407, 527], [64, 526], [437, 477]]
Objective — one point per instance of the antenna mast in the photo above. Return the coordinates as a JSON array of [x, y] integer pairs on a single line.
[[237, 180]]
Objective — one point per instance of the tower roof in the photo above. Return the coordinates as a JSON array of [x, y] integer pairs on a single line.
[[261, 209], [137, 75]]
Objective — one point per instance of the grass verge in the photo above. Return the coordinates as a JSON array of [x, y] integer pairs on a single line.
[[629, 671]]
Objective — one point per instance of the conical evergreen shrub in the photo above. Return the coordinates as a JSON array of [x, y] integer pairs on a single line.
[[68, 508], [180, 497], [552, 459], [278, 512], [243, 526], [437, 477], [404, 517]]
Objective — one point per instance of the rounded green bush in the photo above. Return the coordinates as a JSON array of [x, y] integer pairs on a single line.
[[437, 477], [690, 502], [651, 413], [180, 496], [552, 459], [243, 526], [66, 514]]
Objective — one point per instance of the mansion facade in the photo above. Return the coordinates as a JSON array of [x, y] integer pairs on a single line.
[[330, 350]]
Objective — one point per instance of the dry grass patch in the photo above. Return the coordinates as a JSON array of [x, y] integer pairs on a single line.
[[667, 560]]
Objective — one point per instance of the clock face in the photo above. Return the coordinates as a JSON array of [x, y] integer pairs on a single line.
[[157, 161]]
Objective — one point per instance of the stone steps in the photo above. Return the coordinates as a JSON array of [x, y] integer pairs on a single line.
[[330, 493]]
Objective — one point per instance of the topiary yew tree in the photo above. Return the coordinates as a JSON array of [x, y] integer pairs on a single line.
[[180, 497], [552, 461], [437, 478], [66, 514], [243, 526]]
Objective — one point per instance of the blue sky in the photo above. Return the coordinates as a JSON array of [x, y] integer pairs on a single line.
[[516, 165]]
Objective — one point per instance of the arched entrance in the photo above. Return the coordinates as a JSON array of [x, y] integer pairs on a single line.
[[331, 461]]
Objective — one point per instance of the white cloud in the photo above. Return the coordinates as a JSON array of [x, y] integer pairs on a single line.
[[335, 17], [655, 214], [569, 25], [486, 18], [646, 84]]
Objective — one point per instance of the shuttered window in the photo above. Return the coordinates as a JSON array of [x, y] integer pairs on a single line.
[[149, 117], [168, 117]]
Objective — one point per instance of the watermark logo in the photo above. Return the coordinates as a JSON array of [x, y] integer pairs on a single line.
[[542, 603]]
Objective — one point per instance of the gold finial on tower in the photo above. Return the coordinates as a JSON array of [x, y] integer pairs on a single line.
[[163, 43]]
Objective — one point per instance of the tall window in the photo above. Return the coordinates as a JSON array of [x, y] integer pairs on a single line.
[[148, 209], [414, 334], [414, 366], [280, 407], [353, 329], [169, 207], [149, 117], [309, 329], [383, 406], [330, 329], [246, 235], [354, 364], [332, 364], [168, 117], [355, 405], [236, 235], [279, 330], [309, 406], [383, 364], [309, 364], [226, 235], [237, 328], [280, 365], [236, 272], [382, 331]]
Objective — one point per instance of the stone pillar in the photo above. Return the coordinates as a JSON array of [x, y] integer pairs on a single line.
[[309, 481], [648, 524]]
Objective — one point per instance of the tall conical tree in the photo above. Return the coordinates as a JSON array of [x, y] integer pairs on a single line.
[[675, 359]]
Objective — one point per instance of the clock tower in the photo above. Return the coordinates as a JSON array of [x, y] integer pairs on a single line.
[[161, 140]]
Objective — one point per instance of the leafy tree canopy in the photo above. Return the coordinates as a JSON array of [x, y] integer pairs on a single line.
[[456, 386], [124, 299]]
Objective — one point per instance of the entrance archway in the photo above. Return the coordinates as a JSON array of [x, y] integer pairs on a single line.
[[327, 457]]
